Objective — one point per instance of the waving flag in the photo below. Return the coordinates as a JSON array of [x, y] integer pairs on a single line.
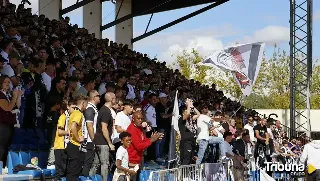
[[173, 155], [243, 61]]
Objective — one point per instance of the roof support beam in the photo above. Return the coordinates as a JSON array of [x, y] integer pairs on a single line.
[[179, 20], [75, 6], [129, 16]]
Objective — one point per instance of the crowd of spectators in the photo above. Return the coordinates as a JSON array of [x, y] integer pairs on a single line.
[[90, 95]]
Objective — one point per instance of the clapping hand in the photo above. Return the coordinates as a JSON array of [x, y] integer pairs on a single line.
[[156, 136]]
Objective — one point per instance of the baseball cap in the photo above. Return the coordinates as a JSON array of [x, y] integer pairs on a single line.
[[163, 95]]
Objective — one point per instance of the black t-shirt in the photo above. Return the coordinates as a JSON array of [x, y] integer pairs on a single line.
[[186, 134], [239, 147], [162, 123], [104, 116], [262, 131]]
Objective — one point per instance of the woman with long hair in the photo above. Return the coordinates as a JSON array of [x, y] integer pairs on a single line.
[[9, 102]]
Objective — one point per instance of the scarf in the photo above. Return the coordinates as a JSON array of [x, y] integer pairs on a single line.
[[66, 137], [191, 126]]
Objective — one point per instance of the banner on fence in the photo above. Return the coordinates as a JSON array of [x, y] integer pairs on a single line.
[[214, 171]]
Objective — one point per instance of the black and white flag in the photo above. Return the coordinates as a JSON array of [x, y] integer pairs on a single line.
[[173, 156], [243, 61]]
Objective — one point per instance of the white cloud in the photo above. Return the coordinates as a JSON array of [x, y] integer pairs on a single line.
[[205, 45], [270, 34], [205, 40]]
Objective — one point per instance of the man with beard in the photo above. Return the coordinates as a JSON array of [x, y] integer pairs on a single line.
[[262, 135]]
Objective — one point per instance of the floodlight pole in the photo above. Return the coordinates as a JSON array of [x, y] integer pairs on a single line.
[[300, 65]]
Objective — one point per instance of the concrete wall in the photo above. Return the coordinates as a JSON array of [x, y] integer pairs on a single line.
[[92, 18], [284, 117], [50, 8], [124, 30]]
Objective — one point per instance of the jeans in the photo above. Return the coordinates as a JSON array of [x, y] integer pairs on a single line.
[[101, 160], [159, 146], [203, 144]]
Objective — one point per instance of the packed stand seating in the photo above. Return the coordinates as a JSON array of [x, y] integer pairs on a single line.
[[69, 97]]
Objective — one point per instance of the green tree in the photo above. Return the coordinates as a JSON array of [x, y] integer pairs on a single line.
[[187, 61]]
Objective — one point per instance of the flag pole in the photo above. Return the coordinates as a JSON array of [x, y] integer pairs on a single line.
[[173, 156], [241, 101]]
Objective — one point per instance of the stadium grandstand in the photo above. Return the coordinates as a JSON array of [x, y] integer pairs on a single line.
[[75, 107]]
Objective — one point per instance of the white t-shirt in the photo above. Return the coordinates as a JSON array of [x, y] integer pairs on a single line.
[[251, 132], [228, 148], [220, 135], [47, 80], [123, 121], [151, 115], [115, 134], [122, 154], [203, 127]]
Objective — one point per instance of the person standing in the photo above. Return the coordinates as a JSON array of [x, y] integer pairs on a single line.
[[163, 124], [102, 138], [188, 131], [8, 103], [61, 140], [75, 153], [312, 149], [89, 129], [249, 126], [35, 100], [122, 171], [139, 142], [261, 133], [122, 121]]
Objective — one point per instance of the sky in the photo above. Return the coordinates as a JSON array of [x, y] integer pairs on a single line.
[[244, 21]]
